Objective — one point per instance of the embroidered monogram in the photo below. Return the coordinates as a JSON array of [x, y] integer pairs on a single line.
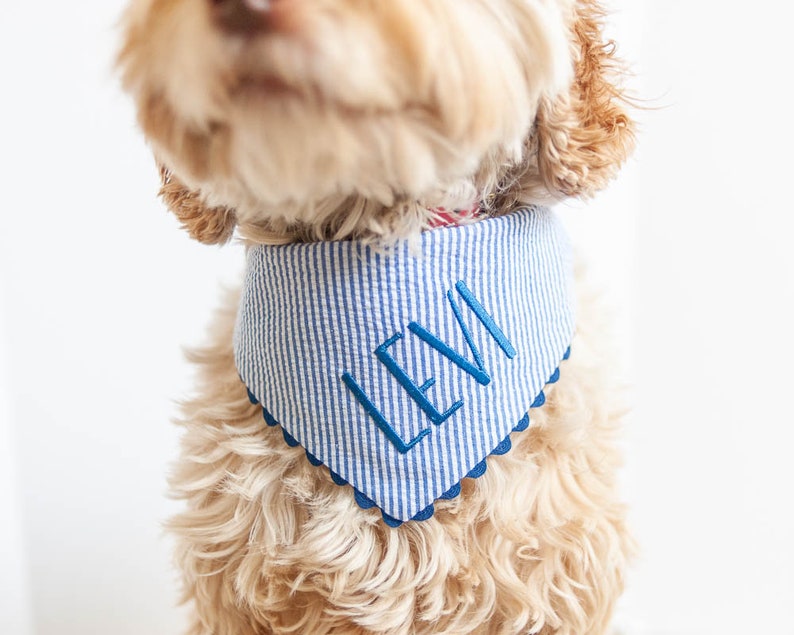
[[401, 371], [418, 393]]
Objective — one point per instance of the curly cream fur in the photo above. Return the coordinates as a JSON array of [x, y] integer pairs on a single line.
[[269, 544], [354, 118], [581, 136], [209, 226]]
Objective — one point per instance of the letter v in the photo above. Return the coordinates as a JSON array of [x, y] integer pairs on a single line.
[[487, 321], [478, 372]]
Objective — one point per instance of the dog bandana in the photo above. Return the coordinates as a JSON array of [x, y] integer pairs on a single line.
[[401, 370]]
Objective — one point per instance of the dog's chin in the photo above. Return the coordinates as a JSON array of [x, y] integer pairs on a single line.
[[256, 91], [280, 146], [344, 103], [252, 89]]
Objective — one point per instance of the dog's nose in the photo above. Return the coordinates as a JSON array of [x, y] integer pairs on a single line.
[[242, 16]]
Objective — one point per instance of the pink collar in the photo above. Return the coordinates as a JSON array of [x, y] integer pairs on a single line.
[[442, 217]]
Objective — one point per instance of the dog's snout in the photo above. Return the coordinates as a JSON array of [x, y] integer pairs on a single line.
[[242, 16]]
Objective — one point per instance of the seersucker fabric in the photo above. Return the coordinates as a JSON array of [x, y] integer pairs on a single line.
[[402, 369]]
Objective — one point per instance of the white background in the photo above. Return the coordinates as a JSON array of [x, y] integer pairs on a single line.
[[98, 289]]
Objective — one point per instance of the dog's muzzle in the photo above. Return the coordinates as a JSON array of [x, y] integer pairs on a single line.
[[242, 17]]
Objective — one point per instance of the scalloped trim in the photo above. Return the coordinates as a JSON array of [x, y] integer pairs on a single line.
[[364, 502]]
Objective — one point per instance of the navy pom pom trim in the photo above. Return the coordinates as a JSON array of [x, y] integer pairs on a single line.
[[364, 502]]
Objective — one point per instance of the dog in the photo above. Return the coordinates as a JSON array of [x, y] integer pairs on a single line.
[[369, 133]]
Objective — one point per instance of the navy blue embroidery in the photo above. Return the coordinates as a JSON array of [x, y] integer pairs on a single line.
[[450, 353], [469, 340], [480, 468], [379, 419], [417, 393], [486, 319], [453, 492]]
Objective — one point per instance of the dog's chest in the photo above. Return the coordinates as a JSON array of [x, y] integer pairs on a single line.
[[400, 371]]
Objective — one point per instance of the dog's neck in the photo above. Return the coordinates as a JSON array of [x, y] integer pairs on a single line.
[[331, 336], [361, 219]]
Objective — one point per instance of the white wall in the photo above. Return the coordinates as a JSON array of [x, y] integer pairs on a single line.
[[101, 288], [16, 615], [711, 472]]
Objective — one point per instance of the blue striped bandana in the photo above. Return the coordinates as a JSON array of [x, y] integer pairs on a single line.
[[402, 370]]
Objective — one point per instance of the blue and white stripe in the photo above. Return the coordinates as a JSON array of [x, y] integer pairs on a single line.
[[311, 313]]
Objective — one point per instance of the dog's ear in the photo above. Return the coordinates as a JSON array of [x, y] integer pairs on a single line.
[[209, 225], [583, 136]]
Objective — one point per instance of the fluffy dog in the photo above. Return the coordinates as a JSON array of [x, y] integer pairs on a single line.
[[297, 121]]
